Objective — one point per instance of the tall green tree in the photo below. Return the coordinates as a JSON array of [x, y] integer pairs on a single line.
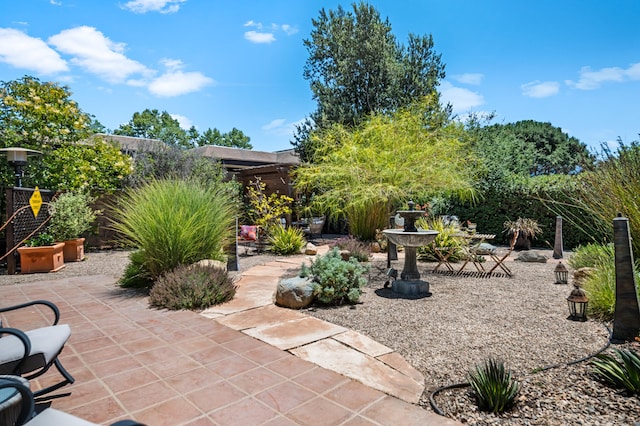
[[367, 172], [531, 148], [40, 115], [356, 67], [153, 124]]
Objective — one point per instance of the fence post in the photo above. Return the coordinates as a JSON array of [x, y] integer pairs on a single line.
[[626, 319]]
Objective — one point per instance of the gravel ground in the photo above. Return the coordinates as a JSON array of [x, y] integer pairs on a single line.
[[520, 320]]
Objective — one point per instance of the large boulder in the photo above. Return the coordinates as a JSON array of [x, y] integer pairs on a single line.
[[212, 263], [532, 256], [310, 249], [294, 293], [581, 274]]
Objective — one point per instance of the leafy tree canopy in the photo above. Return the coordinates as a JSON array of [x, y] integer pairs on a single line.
[[531, 148], [356, 67], [414, 153], [40, 115], [153, 124]]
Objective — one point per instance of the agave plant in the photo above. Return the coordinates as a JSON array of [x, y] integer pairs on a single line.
[[624, 373], [494, 388]]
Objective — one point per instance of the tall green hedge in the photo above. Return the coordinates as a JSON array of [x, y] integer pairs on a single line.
[[533, 198]]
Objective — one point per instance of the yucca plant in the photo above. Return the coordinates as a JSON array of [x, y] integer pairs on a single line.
[[285, 241], [624, 373], [495, 389]]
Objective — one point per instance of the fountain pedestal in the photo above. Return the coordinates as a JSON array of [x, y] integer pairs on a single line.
[[410, 283]]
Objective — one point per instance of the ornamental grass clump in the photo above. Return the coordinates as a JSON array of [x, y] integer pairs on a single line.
[[445, 241], [285, 241], [336, 281], [494, 388], [192, 287], [622, 374], [172, 222]]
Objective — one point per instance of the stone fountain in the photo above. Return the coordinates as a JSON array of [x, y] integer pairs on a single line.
[[410, 238]]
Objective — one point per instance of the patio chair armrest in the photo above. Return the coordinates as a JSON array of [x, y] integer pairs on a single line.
[[24, 339], [50, 305], [27, 405]]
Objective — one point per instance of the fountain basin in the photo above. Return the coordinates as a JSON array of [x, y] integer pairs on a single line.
[[410, 239]]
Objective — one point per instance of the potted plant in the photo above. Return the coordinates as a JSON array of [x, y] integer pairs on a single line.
[[71, 216], [41, 254], [524, 230]]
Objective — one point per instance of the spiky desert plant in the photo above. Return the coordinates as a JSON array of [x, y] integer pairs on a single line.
[[285, 241], [624, 373], [494, 387]]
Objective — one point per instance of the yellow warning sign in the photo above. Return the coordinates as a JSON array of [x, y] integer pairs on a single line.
[[36, 202]]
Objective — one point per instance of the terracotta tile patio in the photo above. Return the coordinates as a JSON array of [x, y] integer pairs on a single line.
[[181, 368]]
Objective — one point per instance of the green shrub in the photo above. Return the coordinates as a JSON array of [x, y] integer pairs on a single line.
[[601, 291], [285, 241], [192, 287], [336, 281], [625, 374], [135, 275], [591, 255], [173, 222], [444, 239], [71, 215], [494, 388], [600, 286], [356, 248], [40, 240]]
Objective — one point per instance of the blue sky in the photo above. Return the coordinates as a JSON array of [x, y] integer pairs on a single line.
[[218, 64]]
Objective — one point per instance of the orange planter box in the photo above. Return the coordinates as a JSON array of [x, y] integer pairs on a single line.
[[74, 250], [41, 259]]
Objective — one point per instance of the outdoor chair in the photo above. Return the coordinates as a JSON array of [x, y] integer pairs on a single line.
[[25, 412], [30, 353], [250, 237]]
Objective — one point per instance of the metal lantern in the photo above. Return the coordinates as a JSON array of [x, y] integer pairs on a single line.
[[577, 301], [17, 157], [562, 273]]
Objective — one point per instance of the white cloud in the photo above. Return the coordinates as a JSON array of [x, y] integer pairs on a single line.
[[175, 83], [469, 78], [162, 6], [94, 52], [460, 99], [185, 122], [540, 89], [266, 36], [258, 37], [280, 127], [22, 51], [253, 24], [590, 80]]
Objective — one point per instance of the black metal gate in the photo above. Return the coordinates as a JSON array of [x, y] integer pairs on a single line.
[[24, 223]]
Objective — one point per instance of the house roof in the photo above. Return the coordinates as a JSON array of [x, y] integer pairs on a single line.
[[231, 158]]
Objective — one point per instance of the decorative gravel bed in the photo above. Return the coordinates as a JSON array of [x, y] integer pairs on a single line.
[[521, 321]]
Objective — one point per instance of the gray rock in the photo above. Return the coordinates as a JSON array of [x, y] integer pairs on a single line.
[[212, 263], [294, 293], [485, 248], [310, 249], [582, 274], [532, 256]]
